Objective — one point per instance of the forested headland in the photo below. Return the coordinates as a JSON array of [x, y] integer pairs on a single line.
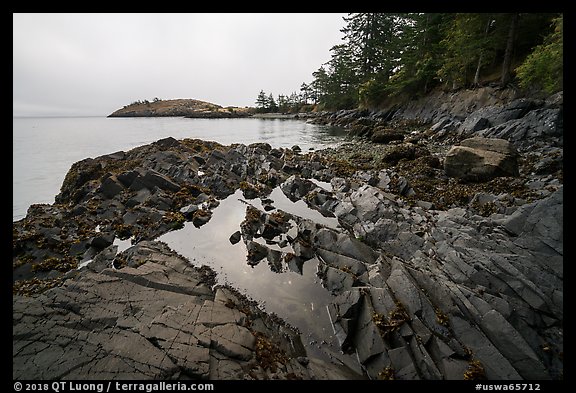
[[388, 58]]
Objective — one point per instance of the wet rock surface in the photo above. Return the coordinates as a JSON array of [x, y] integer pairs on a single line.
[[156, 317], [431, 276]]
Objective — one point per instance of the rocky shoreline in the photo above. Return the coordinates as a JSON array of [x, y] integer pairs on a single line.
[[447, 262]]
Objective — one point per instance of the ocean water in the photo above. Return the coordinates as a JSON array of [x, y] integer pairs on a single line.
[[45, 148]]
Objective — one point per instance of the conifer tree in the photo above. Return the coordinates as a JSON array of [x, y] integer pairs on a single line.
[[261, 102]]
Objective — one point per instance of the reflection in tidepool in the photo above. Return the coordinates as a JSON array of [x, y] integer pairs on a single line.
[[300, 299]]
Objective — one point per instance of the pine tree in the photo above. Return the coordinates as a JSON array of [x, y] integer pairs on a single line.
[[371, 39], [467, 48], [419, 57], [271, 106], [261, 102]]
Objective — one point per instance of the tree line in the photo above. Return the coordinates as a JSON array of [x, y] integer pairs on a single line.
[[295, 102], [140, 102], [389, 57]]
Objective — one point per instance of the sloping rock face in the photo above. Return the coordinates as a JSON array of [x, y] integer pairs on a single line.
[[451, 117], [443, 294], [156, 317], [479, 159], [443, 274], [430, 278]]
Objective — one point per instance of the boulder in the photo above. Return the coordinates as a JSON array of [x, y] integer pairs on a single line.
[[386, 135], [111, 186], [480, 159]]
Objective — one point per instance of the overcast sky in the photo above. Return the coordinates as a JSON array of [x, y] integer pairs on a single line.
[[93, 64]]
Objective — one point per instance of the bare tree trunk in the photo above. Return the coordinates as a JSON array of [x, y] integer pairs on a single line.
[[477, 74], [509, 49]]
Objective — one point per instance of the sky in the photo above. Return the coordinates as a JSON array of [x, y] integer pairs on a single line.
[[92, 64]]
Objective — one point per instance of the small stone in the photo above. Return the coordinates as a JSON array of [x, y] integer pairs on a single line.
[[235, 237]]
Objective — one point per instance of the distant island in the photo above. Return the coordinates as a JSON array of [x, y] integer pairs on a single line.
[[180, 107]]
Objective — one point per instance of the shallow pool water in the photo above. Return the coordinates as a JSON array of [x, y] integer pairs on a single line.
[[299, 299]]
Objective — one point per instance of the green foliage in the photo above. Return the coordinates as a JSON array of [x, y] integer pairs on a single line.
[[262, 102], [141, 102], [372, 43], [388, 57], [286, 104], [469, 44], [543, 68], [373, 91], [421, 56]]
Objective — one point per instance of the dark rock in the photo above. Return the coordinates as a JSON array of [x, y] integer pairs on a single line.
[[200, 160], [80, 173], [386, 135], [189, 210], [512, 345], [345, 245], [167, 142], [475, 122], [139, 198], [336, 280], [111, 187], [127, 177], [235, 237], [79, 247], [296, 187], [201, 217], [256, 252], [367, 338], [344, 310], [150, 179], [539, 225], [446, 123], [492, 116], [267, 204], [159, 200], [102, 241], [549, 165]]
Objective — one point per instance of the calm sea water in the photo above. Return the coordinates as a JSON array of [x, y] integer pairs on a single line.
[[45, 148]]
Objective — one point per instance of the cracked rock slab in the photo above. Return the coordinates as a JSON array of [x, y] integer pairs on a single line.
[[157, 320]]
